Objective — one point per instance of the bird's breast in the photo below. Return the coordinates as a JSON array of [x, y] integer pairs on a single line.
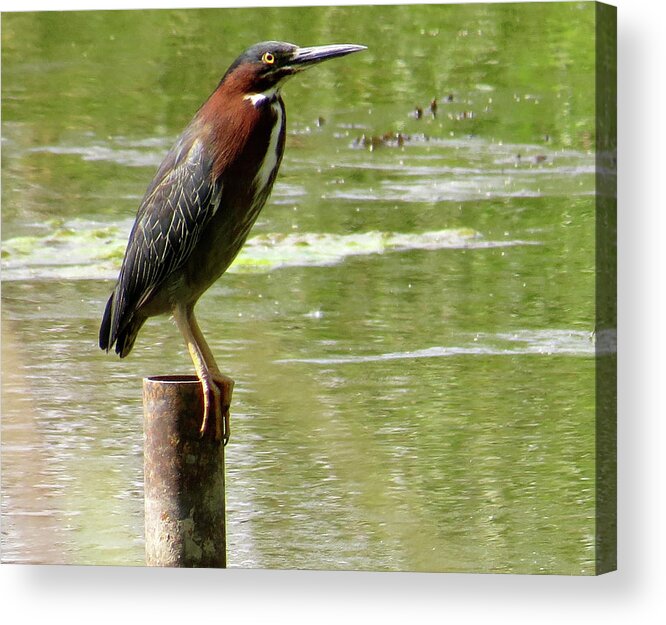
[[244, 184]]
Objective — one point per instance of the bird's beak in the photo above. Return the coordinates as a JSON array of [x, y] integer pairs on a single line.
[[305, 57]]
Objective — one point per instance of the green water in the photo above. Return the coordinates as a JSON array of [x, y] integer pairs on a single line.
[[410, 326]]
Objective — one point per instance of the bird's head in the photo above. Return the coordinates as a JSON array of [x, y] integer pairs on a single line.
[[265, 66]]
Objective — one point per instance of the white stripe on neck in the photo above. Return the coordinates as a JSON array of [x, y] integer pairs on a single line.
[[258, 99], [271, 158]]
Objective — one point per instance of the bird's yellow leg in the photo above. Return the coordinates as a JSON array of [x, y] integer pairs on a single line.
[[217, 388], [223, 382]]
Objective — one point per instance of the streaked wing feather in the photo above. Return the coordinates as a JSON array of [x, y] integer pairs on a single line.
[[175, 209]]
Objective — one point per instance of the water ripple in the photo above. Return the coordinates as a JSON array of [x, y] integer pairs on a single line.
[[526, 342]]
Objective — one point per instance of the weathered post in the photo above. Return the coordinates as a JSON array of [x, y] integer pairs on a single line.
[[183, 477]]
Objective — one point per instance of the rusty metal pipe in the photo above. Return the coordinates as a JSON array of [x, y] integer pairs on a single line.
[[183, 478]]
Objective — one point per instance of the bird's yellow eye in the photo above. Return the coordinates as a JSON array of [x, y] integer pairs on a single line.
[[268, 58]]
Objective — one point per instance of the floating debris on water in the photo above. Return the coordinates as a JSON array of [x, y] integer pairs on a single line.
[[365, 141], [432, 107], [462, 115], [537, 159], [388, 139], [417, 113]]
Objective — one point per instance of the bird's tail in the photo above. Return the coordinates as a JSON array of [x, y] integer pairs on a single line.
[[106, 332], [111, 332]]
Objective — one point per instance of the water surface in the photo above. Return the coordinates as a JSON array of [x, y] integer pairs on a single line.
[[410, 327]]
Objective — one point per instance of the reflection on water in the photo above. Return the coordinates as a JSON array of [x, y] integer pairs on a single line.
[[411, 328]]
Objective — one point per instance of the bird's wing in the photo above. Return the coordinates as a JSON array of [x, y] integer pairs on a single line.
[[175, 209]]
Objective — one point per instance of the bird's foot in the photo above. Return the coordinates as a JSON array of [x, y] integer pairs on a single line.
[[217, 391]]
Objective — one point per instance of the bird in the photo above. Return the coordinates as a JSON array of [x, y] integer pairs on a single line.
[[200, 206]]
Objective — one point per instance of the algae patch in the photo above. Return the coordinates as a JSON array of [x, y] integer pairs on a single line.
[[88, 250]]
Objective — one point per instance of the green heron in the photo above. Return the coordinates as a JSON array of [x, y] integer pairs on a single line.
[[200, 206]]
